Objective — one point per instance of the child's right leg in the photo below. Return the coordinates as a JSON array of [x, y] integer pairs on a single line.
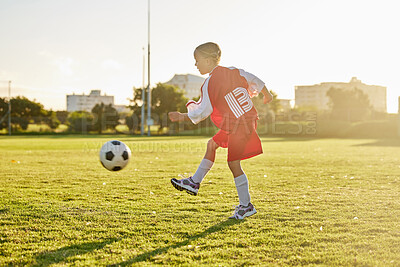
[[192, 184], [245, 208]]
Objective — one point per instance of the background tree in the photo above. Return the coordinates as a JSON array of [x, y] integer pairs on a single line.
[[80, 121], [25, 111], [267, 112], [111, 118], [164, 98], [349, 105], [3, 112], [62, 116], [105, 117], [51, 119], [98, 112], [134, 121]]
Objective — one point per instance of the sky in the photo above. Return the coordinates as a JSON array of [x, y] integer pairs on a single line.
[[49, 49]]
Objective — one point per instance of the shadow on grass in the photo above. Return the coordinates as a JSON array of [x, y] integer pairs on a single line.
[[60, 255], [145, 256], [120, 137], [271, 139], [3, 210], [383, 142]]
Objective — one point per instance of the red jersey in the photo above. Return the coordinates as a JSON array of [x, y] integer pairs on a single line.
[[225, 95]]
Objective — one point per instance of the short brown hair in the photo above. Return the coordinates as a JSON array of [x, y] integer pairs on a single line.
[[210, 50]]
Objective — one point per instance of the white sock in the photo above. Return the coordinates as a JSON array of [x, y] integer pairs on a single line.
[[242, 187], [204, 167]]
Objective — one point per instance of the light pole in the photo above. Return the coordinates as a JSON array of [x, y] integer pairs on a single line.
[[149, 120], [398, 115], [9, 107], [143, 94]]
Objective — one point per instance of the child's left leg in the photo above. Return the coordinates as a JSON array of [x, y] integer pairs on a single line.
[[245, 208], [192, 184]]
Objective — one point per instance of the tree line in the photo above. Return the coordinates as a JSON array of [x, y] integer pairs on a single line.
[[25, 111], [347, 105]]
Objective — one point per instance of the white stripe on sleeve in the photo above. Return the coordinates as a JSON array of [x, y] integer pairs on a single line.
[[198, 111]]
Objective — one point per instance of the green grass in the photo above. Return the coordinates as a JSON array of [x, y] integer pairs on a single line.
[[319, 202]]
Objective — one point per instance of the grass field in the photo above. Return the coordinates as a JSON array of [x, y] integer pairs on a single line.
[[319, 202]]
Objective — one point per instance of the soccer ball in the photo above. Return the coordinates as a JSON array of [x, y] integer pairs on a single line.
[[114, 155]]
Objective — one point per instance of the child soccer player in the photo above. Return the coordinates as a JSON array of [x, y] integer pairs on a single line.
[[225, 95]]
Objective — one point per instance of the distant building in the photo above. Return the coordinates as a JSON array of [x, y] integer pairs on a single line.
[[189, 83], [122, 109], [315, 95], [87, 102]]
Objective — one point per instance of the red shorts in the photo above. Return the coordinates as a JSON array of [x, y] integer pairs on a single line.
[[242, 143]]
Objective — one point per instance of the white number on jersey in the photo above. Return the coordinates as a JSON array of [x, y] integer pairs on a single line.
[[239, 101]]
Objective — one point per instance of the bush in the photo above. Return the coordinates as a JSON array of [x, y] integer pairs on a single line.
[[332, 128], [80, 121], [374, 129]]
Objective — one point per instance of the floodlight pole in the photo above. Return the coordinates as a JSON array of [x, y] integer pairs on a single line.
[[9, 107], [148, 75], [398, 115], [143, 94]]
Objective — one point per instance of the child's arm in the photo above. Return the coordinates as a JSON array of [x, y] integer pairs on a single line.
[[256, 86], [175, 116], [267, 95], [196, 111]]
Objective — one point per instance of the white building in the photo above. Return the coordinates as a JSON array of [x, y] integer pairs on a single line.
[[315, 95], [189, 83], [87, 102]]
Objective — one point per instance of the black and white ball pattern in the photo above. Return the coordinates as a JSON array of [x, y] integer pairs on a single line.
[[114, 155]]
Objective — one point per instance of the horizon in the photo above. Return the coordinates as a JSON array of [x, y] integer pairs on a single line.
[[48, 55]]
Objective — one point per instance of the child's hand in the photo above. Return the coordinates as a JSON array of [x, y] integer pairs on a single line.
[[267, 98], [267, 95], [174, 116]]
